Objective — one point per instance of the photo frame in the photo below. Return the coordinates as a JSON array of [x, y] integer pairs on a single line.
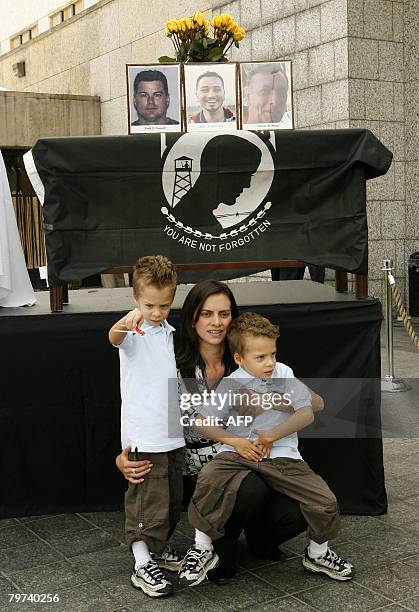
[[266, 95], [154, 98], [211, 96]]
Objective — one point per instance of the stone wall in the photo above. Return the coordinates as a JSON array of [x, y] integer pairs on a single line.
[[355, 64], [382, 42], [87, 55]]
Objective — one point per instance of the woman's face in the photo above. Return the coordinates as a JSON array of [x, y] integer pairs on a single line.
[[212, 323]]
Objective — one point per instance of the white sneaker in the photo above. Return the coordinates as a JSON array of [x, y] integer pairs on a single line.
[[169, 559], [196, 564], [330, 564], [149, 578]]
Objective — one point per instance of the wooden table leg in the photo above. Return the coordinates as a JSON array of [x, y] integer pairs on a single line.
[[341, 281], [361, 286], [56, 299]]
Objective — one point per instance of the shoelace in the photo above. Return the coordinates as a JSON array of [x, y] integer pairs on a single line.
[[193, 558], [332, 557], [154, 571]]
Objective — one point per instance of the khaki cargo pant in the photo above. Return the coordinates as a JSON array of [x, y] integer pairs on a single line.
[[218, 483], [152, 508]]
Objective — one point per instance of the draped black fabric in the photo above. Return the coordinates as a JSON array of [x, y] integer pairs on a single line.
[[60, 406], [214, 197]]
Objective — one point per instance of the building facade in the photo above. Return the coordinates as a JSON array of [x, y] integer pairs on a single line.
[[355, 64]]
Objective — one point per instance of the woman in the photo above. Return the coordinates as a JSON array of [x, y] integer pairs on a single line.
[[203, 358]]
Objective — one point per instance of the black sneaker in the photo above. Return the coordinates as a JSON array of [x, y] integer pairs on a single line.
[[196, 564], [330, 564], [169, 559], [149, 578]]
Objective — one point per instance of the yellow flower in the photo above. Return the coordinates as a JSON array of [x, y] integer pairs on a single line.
[[226, 19], [190, 25], [239, 34], [182, 24], [216, 21], [199, 18]]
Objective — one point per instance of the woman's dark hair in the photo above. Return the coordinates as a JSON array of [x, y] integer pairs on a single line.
[[187, 346]]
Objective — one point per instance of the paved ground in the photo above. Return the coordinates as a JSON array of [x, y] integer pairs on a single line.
[[82, 558]]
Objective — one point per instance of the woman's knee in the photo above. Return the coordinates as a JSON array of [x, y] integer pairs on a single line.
[[253, 493], [288, 520]]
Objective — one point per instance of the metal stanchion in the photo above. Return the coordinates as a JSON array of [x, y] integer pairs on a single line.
[[389, 383]]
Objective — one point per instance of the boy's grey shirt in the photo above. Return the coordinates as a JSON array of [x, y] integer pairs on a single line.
[[283, 381]]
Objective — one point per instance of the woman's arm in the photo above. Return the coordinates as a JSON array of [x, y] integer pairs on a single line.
[[317, 402]]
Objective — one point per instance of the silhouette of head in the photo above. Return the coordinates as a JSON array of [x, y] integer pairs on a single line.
[[227, 165], [231, 162]]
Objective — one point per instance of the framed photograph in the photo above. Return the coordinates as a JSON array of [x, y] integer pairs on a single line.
[[154, 98], [266, 96], [211, 99]]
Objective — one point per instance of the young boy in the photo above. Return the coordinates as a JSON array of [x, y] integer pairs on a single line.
[[150, 423], [271, 432]]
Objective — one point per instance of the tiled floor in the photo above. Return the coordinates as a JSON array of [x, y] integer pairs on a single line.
[[83, 560]]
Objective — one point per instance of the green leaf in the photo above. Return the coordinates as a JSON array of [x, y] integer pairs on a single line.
[[236, 44], [215, 55], [196, 46], [164, 59]]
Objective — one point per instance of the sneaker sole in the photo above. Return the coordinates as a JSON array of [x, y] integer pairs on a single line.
[[211, 565], [149, 592], [324, 570]]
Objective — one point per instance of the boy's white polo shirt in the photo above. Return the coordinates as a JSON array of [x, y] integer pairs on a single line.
[[286, 383], [150, 414]]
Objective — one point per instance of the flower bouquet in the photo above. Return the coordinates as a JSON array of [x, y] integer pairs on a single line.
[[191, 40]]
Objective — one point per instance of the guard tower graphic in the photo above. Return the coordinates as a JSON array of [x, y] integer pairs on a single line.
[[183, 182]]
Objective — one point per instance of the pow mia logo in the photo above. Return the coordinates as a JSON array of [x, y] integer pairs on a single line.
[[214, 185]]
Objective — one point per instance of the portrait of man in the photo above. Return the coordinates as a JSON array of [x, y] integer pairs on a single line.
[[267, 95], [211, 97], [150, 100]]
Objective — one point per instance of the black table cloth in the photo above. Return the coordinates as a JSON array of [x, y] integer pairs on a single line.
[[207, 197], [60, 405]]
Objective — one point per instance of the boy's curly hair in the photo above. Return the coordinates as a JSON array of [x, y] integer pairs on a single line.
[[249, 324], [155, 270]]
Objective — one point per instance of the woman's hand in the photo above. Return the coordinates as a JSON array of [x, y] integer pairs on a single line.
[[247, 449], [134, 319], [132, 470]]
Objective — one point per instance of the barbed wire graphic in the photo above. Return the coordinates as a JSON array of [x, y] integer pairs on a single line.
[[224, 235]]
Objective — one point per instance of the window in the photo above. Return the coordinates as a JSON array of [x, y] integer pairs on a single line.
[[23, 37], [72, 9]]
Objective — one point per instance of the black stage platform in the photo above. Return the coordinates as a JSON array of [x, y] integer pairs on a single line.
[[59, 406]]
